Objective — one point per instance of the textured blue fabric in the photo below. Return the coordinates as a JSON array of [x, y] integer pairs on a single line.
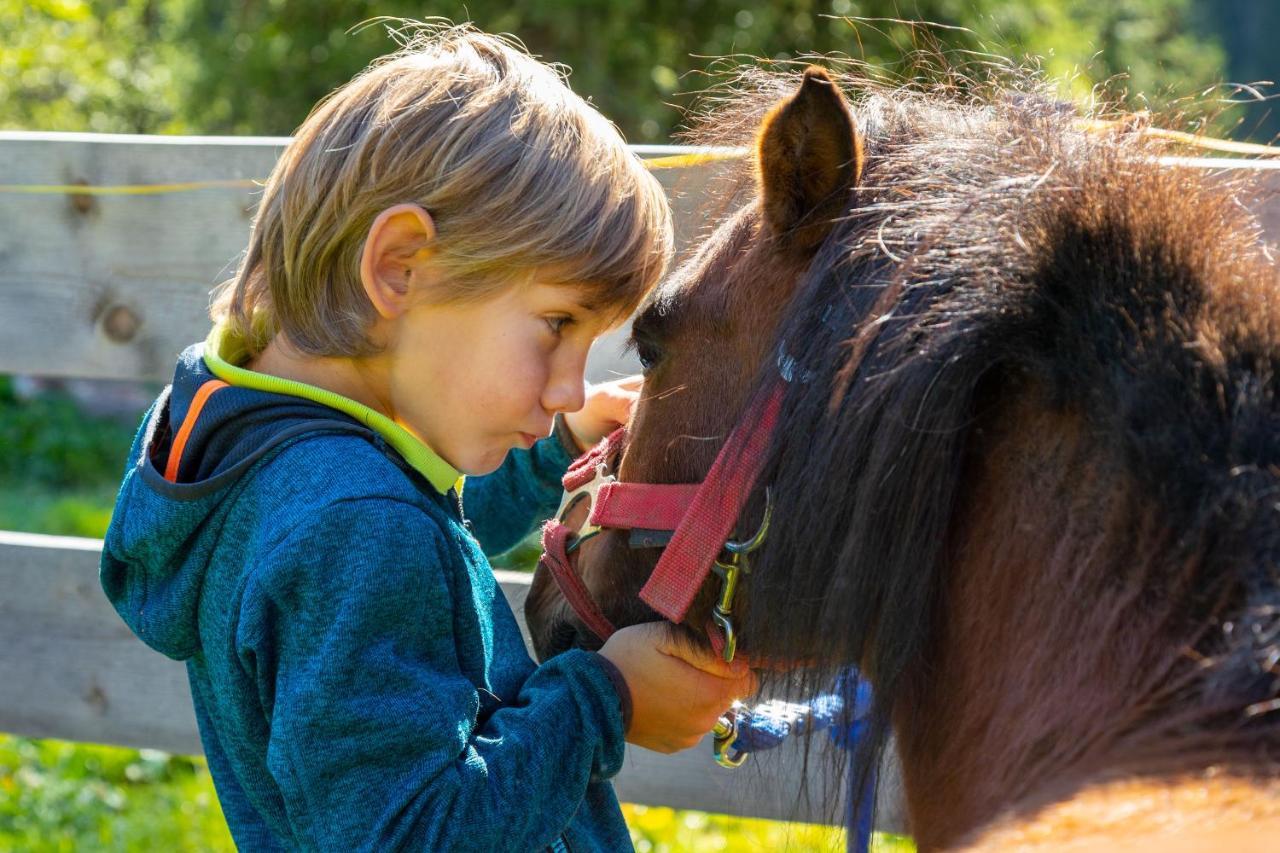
[[359, 680], [526, 479]]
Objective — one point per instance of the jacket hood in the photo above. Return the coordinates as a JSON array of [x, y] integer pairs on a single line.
[[201, 435]]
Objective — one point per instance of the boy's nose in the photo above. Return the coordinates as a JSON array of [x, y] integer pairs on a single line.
[[566, 393], [566, 396]]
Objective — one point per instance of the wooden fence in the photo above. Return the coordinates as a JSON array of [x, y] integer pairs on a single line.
[[113, 286]]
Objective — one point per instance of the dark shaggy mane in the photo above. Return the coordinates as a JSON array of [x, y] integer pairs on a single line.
[[1001, 258]]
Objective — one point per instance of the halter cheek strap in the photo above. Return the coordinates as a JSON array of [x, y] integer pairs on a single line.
[[594, 499], [555, 559], [705, 527], [702, 516]]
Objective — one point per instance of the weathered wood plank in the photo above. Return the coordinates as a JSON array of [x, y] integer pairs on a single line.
[[113, 287], [72, 670]]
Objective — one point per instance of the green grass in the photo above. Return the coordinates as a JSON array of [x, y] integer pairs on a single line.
[[58, 475], [59, 796]]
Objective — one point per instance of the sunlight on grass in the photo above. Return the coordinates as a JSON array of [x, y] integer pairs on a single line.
[[664, 830], [656, 829], [56, 795], [61, 796]]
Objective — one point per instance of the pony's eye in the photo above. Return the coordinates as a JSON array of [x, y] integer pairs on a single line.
[[648, 352]]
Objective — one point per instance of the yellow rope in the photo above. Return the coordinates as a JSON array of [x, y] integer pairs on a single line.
[[1213, 144], [696, 157], [1190, 139], [126, 189]]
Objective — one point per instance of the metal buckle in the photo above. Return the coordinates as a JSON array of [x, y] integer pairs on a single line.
[[729, 570], [757, 539], [589, 490]]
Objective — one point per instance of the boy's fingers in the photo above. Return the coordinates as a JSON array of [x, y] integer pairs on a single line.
[[736, 688], [704, 659]]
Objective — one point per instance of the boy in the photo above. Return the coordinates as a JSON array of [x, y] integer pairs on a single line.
[[433, 255]]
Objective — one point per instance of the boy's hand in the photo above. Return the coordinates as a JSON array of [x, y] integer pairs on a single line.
[[677, 691], [607, 407]]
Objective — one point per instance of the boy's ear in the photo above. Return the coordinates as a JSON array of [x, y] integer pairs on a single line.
[[398, 240]]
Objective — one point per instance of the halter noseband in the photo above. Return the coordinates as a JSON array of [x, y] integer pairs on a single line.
[[692, 520]]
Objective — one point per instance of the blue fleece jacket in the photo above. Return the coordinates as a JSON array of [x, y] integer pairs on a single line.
[[360, 682]]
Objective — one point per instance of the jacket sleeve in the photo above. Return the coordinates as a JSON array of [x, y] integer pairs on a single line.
[[349, 629], [507, 505]]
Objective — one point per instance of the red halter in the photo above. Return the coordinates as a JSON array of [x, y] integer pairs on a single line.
[[701, 515]]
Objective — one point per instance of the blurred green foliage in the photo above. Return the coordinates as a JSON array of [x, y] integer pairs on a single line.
[[48, 442], [57, 796], [108, 67], [257, 66], [1249, 29]]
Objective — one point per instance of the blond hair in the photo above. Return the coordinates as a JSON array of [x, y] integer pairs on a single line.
[[517, 171]]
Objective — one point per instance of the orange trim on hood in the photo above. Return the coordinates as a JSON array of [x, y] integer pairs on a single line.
[[188, 423]]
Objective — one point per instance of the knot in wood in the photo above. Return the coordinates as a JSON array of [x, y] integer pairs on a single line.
[[121, 324], [81, 203]]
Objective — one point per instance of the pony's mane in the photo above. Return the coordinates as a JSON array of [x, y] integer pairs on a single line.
[[1000, 254]]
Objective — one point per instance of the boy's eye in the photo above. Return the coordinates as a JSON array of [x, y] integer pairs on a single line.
[[558, 323]]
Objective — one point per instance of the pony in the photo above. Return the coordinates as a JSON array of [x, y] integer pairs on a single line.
[[1025, 474]]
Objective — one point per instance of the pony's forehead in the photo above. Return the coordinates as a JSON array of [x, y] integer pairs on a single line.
[[712, 255]]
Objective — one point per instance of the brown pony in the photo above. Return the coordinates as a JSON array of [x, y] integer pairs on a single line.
[[1027, 471]]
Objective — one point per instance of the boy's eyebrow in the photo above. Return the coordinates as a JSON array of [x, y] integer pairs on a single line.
[[584, 298], [588, 302]]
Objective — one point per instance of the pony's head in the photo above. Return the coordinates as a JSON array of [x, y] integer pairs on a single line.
[[702, 335], [1026, 474]]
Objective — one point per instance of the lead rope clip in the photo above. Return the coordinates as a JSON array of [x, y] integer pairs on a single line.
[[724, 733]]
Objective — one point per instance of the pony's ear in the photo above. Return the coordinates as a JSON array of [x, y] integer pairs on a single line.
[[810, 157]]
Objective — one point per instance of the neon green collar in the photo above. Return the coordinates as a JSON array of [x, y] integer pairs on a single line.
[[220, 346]]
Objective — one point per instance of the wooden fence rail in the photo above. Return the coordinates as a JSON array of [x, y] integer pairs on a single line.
[[113, 286], [70, 669]]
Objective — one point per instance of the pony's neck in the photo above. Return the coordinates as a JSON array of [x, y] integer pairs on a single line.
[[1185, 815], [1050, 654]]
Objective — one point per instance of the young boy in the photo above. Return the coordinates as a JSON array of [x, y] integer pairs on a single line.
[[434, 253]]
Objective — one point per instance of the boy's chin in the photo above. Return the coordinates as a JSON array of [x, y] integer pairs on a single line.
[[483, 462]]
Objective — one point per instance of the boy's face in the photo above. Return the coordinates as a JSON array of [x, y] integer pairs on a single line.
[[475, 380]]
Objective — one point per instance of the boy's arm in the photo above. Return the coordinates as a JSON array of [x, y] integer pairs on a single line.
[[351, 629], [505, 506]]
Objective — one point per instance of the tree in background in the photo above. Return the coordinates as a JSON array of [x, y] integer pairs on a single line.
[[257, 66], [109, 67], [1249, 29], [261, 65]]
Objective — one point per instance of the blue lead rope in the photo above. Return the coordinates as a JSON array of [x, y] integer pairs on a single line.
[[768, 724]]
